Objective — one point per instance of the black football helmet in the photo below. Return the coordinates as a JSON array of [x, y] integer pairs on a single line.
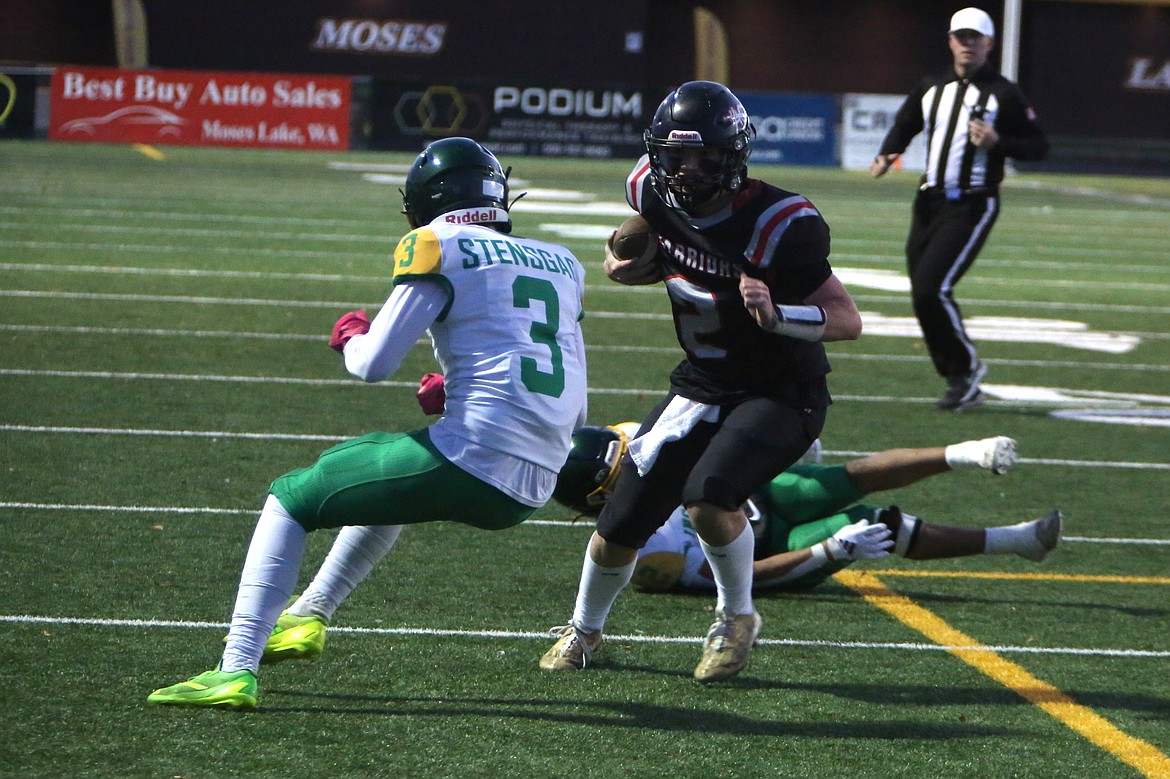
[[453, 174], [587, 477], [699, 115]]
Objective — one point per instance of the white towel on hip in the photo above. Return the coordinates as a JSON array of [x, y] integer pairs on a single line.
[[677, 419]]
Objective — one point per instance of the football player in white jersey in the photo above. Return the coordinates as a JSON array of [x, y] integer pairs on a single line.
[[503, 314]]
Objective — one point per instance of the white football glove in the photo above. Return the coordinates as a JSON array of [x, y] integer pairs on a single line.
[[860, 541]]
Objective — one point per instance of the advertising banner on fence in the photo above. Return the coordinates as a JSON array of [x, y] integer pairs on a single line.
[[443, 41], [199, 108], [793, 129], [513, 118], [865, 120]]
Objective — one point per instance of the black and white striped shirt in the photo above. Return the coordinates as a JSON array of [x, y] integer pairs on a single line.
[[941, 106]]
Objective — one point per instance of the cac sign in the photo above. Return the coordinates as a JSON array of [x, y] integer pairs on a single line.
[[199, 108], [865, 120]]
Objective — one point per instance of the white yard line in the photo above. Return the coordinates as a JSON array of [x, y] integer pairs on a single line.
[[138, 624]]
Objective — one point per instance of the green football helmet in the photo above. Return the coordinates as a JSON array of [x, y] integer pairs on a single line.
[[588, 476], [459, 178]]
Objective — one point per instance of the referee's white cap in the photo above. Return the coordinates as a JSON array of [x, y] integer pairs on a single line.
[[973, 19]]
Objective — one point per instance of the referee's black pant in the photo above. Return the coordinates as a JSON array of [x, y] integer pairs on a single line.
[[946, 235]]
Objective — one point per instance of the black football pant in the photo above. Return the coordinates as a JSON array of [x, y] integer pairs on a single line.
[[945, 237], [721, 463]]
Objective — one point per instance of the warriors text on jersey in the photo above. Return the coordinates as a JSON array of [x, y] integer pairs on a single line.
[[769, 234], [522, 355]]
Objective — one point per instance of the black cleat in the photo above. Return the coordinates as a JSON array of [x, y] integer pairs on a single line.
[[963, 391]]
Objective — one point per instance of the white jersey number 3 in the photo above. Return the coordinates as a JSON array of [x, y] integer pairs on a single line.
[[526, 292]]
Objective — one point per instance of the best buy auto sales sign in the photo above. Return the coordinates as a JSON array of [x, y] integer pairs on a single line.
[[199, 108]]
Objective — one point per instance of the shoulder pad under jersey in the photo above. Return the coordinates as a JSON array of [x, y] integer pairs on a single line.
[[419, 253]]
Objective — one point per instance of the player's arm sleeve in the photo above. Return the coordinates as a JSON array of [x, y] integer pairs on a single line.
[[800, 261], [798, 273], [637, 182], [411, 308], [908, 122]]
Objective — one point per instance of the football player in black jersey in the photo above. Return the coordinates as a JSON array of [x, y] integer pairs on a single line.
[[745, 265]]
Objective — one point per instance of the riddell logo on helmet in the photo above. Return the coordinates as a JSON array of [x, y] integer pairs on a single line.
[[475, 216], [685, 135]]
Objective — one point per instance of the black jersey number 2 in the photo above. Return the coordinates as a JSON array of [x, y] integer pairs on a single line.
[[696, 317]]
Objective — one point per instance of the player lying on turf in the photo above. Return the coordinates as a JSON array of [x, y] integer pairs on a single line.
[[811, 525], [809, 522]]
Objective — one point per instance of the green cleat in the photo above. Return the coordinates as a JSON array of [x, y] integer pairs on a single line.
[[235, 690], [295, 638]]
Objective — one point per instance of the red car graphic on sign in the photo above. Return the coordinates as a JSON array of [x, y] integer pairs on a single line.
[[135, 114]]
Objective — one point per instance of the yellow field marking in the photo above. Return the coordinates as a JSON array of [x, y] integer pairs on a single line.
[[1135, 752], [149, 151], [1039, 577]]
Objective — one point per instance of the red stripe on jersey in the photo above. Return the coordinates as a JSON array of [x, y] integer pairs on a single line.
[[777, 222], [634, 184]]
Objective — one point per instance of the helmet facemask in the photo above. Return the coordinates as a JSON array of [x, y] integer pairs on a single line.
[[608, 477], [588, 477], [699, 143], [691, 175]]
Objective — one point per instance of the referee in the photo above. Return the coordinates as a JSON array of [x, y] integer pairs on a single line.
[[973, 119]]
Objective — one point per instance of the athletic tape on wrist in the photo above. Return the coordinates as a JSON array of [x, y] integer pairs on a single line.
[[804, 322]]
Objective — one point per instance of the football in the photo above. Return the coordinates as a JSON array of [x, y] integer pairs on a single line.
[[635, 239]]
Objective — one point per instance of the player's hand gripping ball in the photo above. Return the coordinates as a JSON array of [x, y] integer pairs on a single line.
[[635, 239], [635, 245]]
